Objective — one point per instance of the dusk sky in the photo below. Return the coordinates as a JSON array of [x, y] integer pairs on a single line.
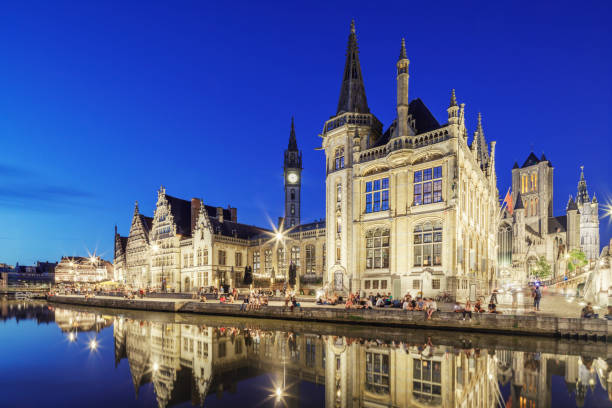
[[103, 102]]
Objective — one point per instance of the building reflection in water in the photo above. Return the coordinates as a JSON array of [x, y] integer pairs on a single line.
[[187, 363]]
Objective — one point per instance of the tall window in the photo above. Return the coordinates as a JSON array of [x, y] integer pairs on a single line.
[[205, 257], [292, 209], [310, 258], [377, 195], [534, 181], [295, 256], [339, 158], [293, 194], [377, 373], [428, 244], [238, 259], [377, 248], [523, 183], [338, 193], [428, 186], [256, 262], [221, 257], [281, 261], [324, 254], [268, 262], [338, 225], [427, 380]]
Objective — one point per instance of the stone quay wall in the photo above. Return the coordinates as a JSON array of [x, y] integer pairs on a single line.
[[534, 325]]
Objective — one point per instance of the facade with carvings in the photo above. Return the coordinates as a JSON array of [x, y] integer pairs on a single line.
[[410, 208], [78, 269], [529, 229]]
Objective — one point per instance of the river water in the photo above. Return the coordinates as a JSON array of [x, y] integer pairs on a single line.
[[64, 356]]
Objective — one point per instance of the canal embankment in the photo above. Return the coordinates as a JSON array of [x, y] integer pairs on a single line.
[[508, 324]]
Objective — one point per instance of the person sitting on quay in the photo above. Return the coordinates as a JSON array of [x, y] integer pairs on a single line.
[[202, 298], [467, 310], [294, 303], [478, 307], [588, 312], [432, 307], [457, 308]]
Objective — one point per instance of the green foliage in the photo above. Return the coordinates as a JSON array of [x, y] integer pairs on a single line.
[[577, 259], [542, 269]]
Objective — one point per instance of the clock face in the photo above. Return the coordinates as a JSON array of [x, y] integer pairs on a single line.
[[292, 178]]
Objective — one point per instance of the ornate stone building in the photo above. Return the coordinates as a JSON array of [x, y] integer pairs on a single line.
[[529, 229], [85, 270], [412, 208]]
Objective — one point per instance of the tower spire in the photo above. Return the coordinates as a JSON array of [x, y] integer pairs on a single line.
[[403, 50], [292, 139], [352, 90], [453, 100], [479, 144], [583, 194]]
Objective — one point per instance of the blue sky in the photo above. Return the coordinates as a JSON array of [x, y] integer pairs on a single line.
[[102, 102]]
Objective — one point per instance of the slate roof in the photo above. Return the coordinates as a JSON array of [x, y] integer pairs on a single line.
[[424, 121], [557, 224], [532, 159], [233, 229], [571, 204], [181, 211], [310, 226], [519, 203], [352, 91]]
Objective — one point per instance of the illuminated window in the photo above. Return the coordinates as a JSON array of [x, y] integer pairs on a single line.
[[377, 195], [377, 373], [339, 158], [428, 186], [281, 261], [534, 181], [310, 258], [338, 254], [428, 244], [427, 380], [268, 262], [295, 256], [377, 248], [338, 193], [256, 262]]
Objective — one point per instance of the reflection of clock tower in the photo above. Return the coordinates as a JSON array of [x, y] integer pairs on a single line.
[[293, 180]]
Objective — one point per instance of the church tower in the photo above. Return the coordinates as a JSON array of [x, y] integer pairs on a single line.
[[293, 180], [589, 219]]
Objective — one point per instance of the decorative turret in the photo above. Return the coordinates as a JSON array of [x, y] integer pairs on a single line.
[[402, 91], [571, 204], [453, 110], [352, 91], [136, 207], [479, 145]]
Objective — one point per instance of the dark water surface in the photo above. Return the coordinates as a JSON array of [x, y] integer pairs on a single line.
[[61, 356]]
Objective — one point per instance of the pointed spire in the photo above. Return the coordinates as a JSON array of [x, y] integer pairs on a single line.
[[519, 203], [352, 91], [453, 100], [403, 50], [571, 204], [479, 144], [583, 194], [136, 207], [594, 200], [292, 139]]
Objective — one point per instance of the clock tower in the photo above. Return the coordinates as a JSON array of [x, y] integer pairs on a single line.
[[293, 180]]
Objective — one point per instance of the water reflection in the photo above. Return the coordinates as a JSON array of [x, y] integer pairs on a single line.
[[188, 363]]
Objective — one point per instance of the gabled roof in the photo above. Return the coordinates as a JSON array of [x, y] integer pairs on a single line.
[[557, 224], [532, 159], [147, 222]]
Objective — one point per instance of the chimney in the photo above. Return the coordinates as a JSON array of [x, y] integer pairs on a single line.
[[220, 214], [195, 210], [233, 213]]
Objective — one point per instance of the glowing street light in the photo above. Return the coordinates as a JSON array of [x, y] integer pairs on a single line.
[[71, 337], [93, 344], [155, 366]]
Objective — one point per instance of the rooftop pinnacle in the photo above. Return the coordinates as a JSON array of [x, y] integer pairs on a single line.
[[352, 90]]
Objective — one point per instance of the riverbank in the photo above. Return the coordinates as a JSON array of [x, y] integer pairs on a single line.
[[527, 325]]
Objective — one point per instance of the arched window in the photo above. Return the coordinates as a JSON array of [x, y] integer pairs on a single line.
[[293, 194], [504, 250], [377, 248], [310, 259], [339, 158], [428, 244], [256, 262], [295, 256]]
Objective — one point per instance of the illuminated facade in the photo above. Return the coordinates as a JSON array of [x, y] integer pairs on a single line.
[[412, 208], [78, 269], [528, 229]]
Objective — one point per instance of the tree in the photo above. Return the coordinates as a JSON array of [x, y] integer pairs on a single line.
[[541, 268], [248, 275], [292, 274], [577, 259]]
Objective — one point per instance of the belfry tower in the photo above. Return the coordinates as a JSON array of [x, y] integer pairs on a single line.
[[293, 180]]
